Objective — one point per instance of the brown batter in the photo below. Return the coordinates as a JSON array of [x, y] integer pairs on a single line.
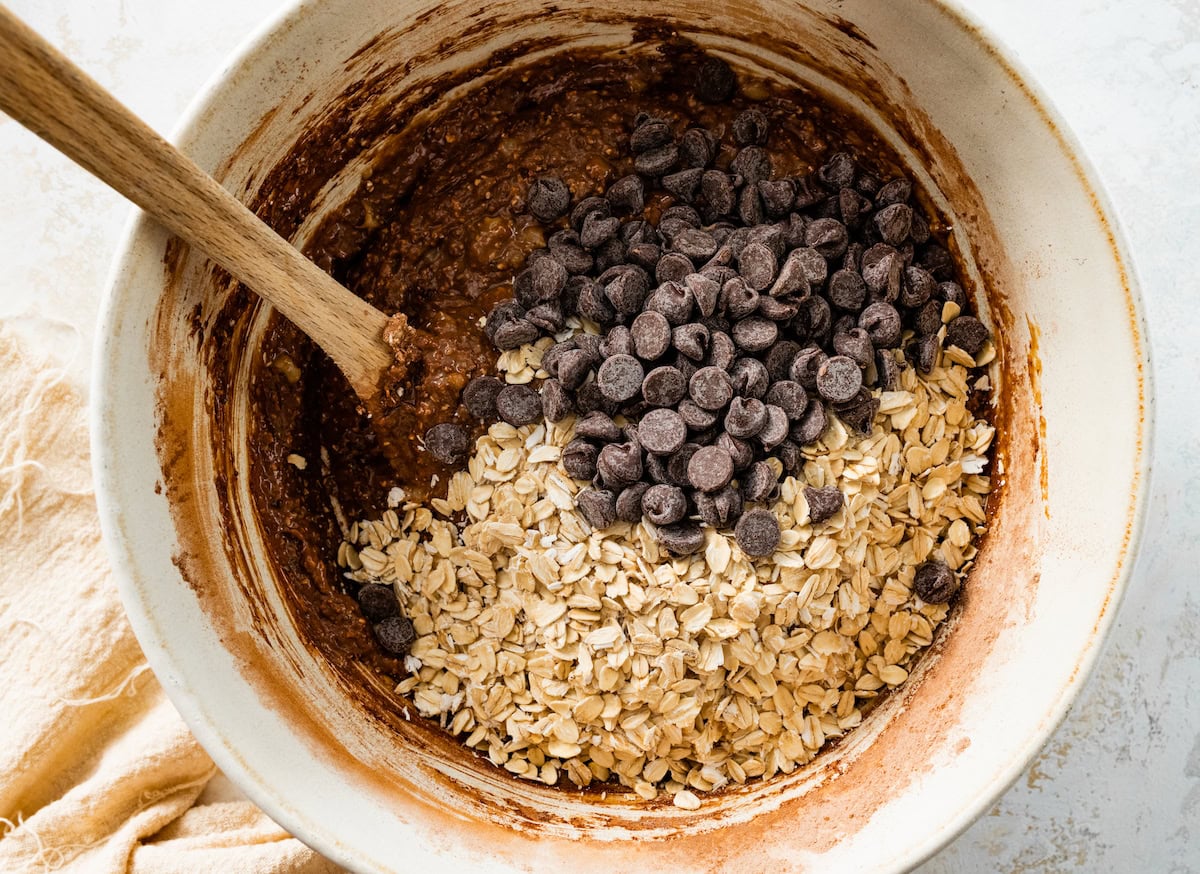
[[437, 232]]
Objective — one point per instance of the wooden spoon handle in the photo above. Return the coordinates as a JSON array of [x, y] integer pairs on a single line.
[[48, 94]]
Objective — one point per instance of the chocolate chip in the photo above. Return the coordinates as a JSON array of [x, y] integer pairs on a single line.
[[706, 292], [519, 405], [811, 425], [589, 206], [501, 314], [839, 379], [937, 261], [823, 503], [662, 431], [574, 365], [805, 366], [855, 345], [928, 319], [753, 164], [395, 634], [656, 162], [557, 403], [882, 270], [664, 504], [814, 318], [628, 289], [593, 304], [377, 602], [775, 309], [935, 583], [673, 267], [711, 468], [750, 128], [790, 456], [616, 342], [952, 292], [548, 198], [887, 371], [789, 396], [620, 377], [629, 502], [838, 171], [697, 148], [750, 206], [746, 417], [684, 365], [566, 249], [896, 190], [715, 81], [696, 417], [515, 334], [721, 508], [777, 195], [628, 194], [479, 396], [793, 275], [741, 451], [696, 244], [597, 230], [597, 426], [924, 352], [749, 377], [598, 506], [547, 316], [757, 533], [968, 334], [757, 265], [710, 388], [754, 334], [549, 278], [682, 538], [651, 335], [691, 340], [828, 236], [776, 430], [847, 291], [664, 387], [620, 464], [684, 185], [844, 323], [738, 300], [589, 398], [894, 223], [649, 132], [851, 205], [672, 300], [920, 232], [758, 482], [881, 321], [917, 287], [859, 413], [852, 260], [779, 358], [718, 191], [579, 459], [678, 463]]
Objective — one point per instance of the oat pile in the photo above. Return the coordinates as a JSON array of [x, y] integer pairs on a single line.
[[558, 651]]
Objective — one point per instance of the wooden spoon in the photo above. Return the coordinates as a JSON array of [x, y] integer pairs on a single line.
[[52, 97]]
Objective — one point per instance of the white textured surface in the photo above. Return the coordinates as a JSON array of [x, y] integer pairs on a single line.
[[1118, 786]]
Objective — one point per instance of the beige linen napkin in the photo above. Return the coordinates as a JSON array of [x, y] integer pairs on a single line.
[[98, 773]]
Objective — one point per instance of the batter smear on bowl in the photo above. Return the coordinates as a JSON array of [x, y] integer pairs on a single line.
[[688, 401]]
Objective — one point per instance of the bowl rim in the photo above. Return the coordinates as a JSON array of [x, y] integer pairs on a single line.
[[207, 731]]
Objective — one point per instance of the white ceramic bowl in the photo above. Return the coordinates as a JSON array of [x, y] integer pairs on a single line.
[[1037, 235]]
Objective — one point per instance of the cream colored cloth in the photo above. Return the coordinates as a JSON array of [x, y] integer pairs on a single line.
[[98, 773]]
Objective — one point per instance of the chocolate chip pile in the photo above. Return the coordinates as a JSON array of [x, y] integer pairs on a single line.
[[724, 324]]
